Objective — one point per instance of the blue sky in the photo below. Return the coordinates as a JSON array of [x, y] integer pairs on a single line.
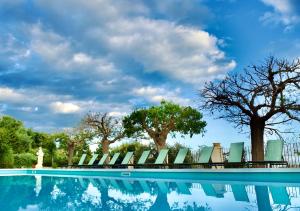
[[61, 59]]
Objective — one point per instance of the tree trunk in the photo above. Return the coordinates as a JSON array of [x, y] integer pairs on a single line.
[[71, 149], [160, 143], [105, 149], [257, 128]]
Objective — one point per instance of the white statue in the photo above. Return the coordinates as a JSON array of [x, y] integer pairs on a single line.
[[40, 155]]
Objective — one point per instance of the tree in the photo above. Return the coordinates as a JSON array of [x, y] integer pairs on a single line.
[[76, 138], [17, 135], [159, 121], [107, 128], [6, 152], [261, 97]]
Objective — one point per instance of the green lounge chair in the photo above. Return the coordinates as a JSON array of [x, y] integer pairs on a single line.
[[83, 156], [181, 156], [235, 157], [92, 160], [114, 159], [103, 159], [161, 157], [143, 157], [127, 158], [274, 150], [236, 152], [273, 154], [205, 155]]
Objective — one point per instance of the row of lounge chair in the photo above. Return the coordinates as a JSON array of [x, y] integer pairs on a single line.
[[279, 193], [273, 156]]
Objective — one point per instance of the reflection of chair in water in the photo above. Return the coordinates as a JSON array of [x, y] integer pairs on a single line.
[[280, 195], [102, 182], [114, 184], [239, 192], [93, 182], [182, 188], [216, 190], [83, 182], [127, 185], [162, 186], [262, 198], [144, 186]]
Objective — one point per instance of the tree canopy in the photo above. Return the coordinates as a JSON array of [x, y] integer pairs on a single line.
[[159, 121], [107, 129]]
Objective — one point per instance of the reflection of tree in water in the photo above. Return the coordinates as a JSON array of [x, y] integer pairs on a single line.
[[65, 193]]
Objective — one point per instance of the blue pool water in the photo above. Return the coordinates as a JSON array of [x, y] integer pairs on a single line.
[[46, 192]]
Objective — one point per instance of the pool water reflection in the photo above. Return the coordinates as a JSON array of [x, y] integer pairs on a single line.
[[95, 193]]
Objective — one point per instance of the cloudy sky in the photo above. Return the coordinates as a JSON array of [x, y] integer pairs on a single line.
[[61, 59]]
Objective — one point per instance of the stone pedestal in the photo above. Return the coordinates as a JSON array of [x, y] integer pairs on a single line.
[[217, 155]]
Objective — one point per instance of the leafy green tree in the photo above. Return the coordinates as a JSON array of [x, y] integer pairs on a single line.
[[159, 121], [16, 135], [6, 153]]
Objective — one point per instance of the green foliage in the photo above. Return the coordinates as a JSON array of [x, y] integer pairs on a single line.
[[16, 134], [159, 121], [61, 158], [6, 153], [25, 160], [6, 158]]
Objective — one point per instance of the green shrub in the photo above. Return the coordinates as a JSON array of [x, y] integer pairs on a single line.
[[54, 165], [24, 160], [6, 158], [60, 158]]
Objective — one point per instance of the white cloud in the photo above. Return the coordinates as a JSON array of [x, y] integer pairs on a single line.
[[29, 109], [126, 30], [117, 113], [58, 52], [284, 13], [180, 52], [157, 94], [11, 95], [65, 108]]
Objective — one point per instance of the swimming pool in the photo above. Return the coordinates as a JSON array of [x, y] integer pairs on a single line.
[[155, 189]]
